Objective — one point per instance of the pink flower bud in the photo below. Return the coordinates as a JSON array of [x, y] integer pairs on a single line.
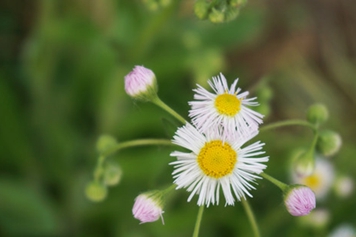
[[299, 200], [141, 83], [147, 209]]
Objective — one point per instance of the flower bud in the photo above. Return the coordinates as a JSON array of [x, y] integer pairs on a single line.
[[165, 3], [231, 13], [237, 3], [95, 191], [304, 163], [317, 114], [216, 16], [148, 207], [141, 84], [299, 200], [105, 143], [201, 9], [329, 143], [112, 174]]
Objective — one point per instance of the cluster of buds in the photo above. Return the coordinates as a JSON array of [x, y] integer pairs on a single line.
[[218, 11], [107, 173]]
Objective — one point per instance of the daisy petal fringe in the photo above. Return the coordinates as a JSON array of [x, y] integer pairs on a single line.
[[216, 162]]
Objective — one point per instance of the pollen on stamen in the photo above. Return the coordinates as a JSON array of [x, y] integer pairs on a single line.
[[227, 104], [217, 159]]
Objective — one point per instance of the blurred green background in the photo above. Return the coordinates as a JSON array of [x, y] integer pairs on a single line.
[[62, 68]]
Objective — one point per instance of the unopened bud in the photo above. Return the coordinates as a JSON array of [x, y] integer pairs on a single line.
[[112, 174], [105, 143], [299, 200], [231, 13], [148, 207], [165, 3], [237, 3], [317, 114], [329, 143], [141, 84], [304, 163], [201, 9], [96, 191], [216, 16]]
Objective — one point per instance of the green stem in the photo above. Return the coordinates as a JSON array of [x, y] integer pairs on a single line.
[[161, 104], [288, 123], [169, 189], [139, 142], [99, 170], [251, 217], [315, 140], [276, 182], [197, 223]]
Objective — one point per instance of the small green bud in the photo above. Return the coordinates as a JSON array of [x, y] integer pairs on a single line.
[[329, 143], [152, 5], [216, 16], [231, 13], [105, 143], [237, 3], [165, 3], [317, 114], [303, 163], [201, 9], [112, 174], [95, 191]]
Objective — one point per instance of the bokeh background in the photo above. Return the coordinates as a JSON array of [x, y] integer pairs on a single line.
[[62, 72]]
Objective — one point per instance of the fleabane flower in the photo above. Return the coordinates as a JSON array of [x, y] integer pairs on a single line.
[[343, 230], [321, 180], [148, 207], [299, 200], [141, 84], [215, 162], [226, 107]]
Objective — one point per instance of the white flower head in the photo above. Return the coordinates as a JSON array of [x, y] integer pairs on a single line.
[[215, 162], [226, 107], [321, 180], [343, 230]]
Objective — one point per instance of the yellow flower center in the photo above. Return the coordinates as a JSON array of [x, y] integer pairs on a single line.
[[313, 181], [227, 104], [217, 159]]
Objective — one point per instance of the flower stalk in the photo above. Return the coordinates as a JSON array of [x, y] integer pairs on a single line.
[[198, 222]]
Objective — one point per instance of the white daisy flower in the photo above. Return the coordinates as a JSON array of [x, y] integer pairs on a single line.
[[224, 107], [321, 180], [216, 162]]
